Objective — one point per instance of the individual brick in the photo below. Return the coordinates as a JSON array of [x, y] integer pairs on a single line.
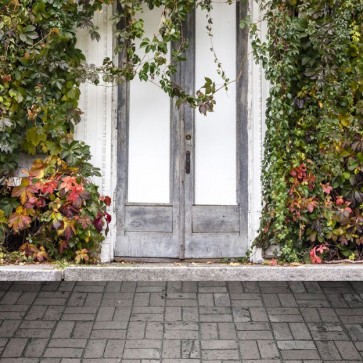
[[271, 300], [205, 300], [258, 314], [136, 330], [8, 328], [95, 348], [105, 313], [154, 330], [328, 350], [114, 349], [67, 343], [35, 348], [347, 350], [173, 313], [249, 349], [63, 353], [190, 349], [281, 331], [209, 331], [300, 331], [14, 348], [82, 329], [171, 349], [268, 349], [190, 314], [241, 315], [227, 331]]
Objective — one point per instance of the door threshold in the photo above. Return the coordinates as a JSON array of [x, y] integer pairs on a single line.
[[149, 260]]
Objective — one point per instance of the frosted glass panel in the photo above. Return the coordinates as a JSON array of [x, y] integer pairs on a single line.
[[215, 139], [149, 135]]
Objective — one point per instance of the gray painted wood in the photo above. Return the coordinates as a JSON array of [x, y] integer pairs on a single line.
[[216, 219], [161, 239], [221, 231], [149, 219], [242, 120], [215, 245], [142, 244], [187, 81]]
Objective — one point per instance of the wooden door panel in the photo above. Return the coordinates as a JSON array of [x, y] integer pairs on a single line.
[[215, 219], [149, 219], [215, 245], [151, 244]]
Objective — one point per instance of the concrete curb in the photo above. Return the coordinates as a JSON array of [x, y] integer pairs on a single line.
[[190, 272], [30, 273], [215, 273]]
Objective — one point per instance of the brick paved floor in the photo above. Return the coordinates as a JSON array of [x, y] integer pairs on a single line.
[[180, 322]]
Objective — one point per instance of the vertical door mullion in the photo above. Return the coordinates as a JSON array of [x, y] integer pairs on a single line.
[[187, 71], [242, 118]]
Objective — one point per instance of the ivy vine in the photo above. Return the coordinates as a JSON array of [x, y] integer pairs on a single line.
[[313, 163]]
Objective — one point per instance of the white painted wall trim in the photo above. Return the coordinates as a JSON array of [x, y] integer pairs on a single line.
[[98, 124], [258, 89]]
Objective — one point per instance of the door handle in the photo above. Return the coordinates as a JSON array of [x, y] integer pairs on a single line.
[[187, 162]]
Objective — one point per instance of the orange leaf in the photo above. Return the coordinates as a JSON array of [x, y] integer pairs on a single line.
[[19, 220], [37, 169], [25, 190]]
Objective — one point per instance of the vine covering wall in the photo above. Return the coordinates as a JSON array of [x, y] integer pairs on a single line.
[[313, 166], [313, 163]]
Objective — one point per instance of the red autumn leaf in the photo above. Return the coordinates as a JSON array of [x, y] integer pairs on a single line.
[[312, 205], [339, 200], [314, 257], [68, 232], [24, 191], [327, 188], [41, 202], [321, 248], [98, 222], [84, 221], [69, 211], [19, 220], [48, 186], [63, 245], [108, 217], [41, 255], [106, 200], [68, 183], [29, 249], [273, 262]]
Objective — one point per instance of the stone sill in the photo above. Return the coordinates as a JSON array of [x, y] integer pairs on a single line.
[[183, 272]]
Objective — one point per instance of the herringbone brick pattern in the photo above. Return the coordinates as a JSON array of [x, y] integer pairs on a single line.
[[181, 322]]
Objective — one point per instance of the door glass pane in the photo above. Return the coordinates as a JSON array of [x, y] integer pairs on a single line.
[[149, 134], [215, 139]]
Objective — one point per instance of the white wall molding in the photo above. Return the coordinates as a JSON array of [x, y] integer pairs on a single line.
[[258, 89], [97, 127]]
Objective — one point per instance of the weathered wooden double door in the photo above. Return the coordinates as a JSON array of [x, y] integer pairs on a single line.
[[182, 176]]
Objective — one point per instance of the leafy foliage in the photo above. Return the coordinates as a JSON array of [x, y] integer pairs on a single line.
[[313, 165], [57, 211]]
